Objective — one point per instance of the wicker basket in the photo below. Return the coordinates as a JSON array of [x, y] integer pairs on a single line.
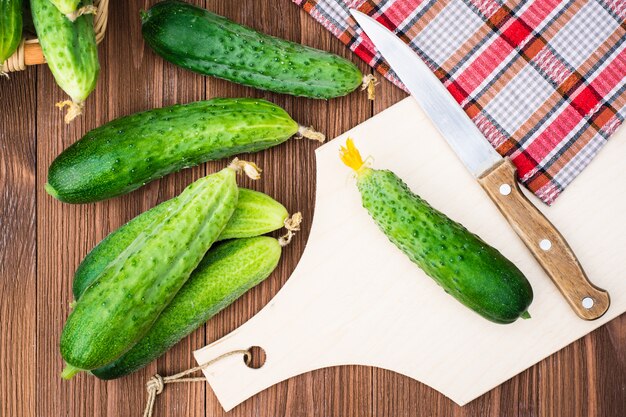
[[29, 52]]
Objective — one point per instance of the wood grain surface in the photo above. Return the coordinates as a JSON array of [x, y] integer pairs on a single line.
[[42, 241]]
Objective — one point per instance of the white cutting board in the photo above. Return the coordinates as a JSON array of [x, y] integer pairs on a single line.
[[356, 299]]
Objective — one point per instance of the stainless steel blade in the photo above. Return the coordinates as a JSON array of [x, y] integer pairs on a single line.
[[454, 124]]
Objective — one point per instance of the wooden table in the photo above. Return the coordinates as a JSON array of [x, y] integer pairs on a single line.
[[42, 241]]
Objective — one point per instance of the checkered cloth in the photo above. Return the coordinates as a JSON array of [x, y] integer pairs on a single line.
[[543, 80]]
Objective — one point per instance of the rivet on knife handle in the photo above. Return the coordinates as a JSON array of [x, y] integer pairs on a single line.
[[545, 242]]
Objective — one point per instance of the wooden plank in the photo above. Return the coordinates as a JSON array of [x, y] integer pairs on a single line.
[[65, 234], [293, 191], [132, 79], [17, 245], [179, 86], [61, 242], [609, 375]]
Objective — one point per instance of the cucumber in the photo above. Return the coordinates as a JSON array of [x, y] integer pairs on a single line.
[[125, 154], [121, 306], [226, 272], [70, 50], [465, 266], [209, 44], [10, 29], [255, 214]]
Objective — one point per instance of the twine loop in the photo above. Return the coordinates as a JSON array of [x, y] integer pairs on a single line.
[[156, 384]]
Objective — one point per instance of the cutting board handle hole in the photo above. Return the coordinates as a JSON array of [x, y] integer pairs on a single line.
[[255, 358]]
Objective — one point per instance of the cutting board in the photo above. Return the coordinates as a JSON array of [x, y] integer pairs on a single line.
[[354, 298]]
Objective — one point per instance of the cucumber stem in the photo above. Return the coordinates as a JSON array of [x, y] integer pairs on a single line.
[[143, 15], [525, 315], [90, 9], [310, 133], [292, 224], [69, 371], [75, 109], [249, 168], [369, 82]]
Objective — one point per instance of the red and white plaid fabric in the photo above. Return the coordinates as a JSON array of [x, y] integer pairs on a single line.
[[542, 79]]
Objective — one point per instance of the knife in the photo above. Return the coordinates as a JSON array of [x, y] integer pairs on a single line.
[[497, 175]]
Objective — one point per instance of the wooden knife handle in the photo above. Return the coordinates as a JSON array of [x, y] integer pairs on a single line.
[[547, 245]]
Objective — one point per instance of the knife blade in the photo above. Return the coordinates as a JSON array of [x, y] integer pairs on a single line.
[[497, 175]]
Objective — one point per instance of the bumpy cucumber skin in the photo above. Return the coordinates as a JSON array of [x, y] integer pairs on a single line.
[[69, 47], [227, 271], [465, 266], [114, 313], [209, 44], [66, 6], [10, 28], [255, 214], [129, 152]]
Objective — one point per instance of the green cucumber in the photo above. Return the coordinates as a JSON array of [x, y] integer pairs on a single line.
[[465, 266], [70, 50], [126, 153], [120, 307], [10, 29], [226, 272], [203, 42], [256, 214]]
